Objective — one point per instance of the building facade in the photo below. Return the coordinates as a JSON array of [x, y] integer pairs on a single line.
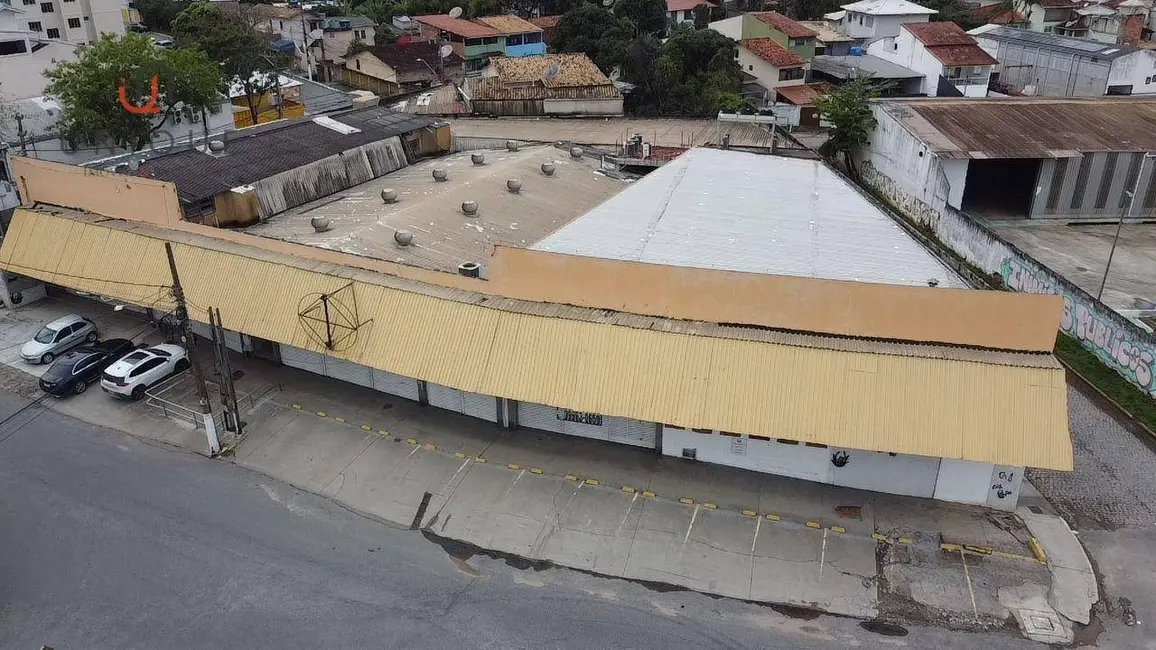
[[869, 20], [939, 51], [771, 64], [476, 41]]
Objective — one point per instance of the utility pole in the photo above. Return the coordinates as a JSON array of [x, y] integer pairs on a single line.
[[21, 133], [187, 339], [1120, 224], [220, 371], [227, 370]]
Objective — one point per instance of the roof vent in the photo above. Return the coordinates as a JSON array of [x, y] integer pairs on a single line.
[[470, 208], [933, 282], [470, 269], [217, 146], [403, 237], [389, 195], [548, 168], [320, 224], [440, 174], [478, 159], [514, 185]]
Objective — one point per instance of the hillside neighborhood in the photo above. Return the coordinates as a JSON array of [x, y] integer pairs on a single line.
[[745, 312]]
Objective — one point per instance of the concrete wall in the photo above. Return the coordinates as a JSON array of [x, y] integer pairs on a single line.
[[731, 27], [1137, 70], [106, 193], [583, 106], [919, 187]]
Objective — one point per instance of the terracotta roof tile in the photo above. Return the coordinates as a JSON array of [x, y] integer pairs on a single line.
[[686, 5], [508, 24], [788, 27], [459, 26], [803, 95], [1133, 30], [998, 15], [546, 22], [943, 33], [772, 52]]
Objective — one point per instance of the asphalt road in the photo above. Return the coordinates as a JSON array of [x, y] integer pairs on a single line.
[[109, 542]]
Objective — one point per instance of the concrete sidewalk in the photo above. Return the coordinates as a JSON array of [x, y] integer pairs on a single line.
[[610, 509]]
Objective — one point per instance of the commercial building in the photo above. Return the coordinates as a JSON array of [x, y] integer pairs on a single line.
[[66, 21], [548, 84], [732, 308], [1049, 65], [949, 60]]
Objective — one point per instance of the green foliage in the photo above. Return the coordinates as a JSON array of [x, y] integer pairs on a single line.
[[485, 8], [241, 50], [158, 15], [87, 89], [701, 17], [810, 9], [648, 16], [1134, 401], [849, 111], [953, 11]]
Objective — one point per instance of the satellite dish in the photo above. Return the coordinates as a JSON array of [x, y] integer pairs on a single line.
[[607, 3], [456, 12], [445, 50], [551, 71]]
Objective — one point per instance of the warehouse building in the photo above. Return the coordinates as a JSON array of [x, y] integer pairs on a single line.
[[845, 371]]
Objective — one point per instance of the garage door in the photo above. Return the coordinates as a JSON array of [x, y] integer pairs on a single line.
[[631, 432], [537, 416], [475, 405], [587, 425], [355, 373]]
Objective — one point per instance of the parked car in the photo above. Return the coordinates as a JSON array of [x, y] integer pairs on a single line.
[[132, 375], [58, 336], [73, 372]]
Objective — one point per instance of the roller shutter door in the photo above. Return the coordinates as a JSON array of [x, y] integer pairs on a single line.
[[480, 406], [303, 359], [354, 373], [387, 382], [632, 432], [537, 416], [587, 425], [444, 397]]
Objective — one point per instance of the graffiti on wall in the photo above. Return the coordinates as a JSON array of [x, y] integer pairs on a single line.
[[1115, 345]]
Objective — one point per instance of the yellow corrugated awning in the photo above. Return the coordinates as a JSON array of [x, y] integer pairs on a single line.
[[1004, 413]]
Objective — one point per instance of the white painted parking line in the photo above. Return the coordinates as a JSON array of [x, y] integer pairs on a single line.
[[691, 526], [627, 515], [823, 554]]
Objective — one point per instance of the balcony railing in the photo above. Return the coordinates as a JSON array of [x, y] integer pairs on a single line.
[[974, 80]]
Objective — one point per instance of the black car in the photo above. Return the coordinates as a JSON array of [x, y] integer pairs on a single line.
[[72, 372]]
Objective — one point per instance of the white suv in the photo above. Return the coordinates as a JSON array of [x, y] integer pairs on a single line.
[[129, 377]]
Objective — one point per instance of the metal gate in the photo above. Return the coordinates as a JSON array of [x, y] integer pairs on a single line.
[[460, 401], [354, 373]]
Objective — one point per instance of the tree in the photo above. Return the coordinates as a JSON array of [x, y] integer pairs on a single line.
[[158, 15], [242, 52], [848, 108], [87, 89], [648, 16], [701, 17], [583, 29], [479, 8]]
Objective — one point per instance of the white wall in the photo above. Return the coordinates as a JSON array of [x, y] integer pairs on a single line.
[[902, 158], [766, 74], [22, 75], [880, 27], [907, 51], [582, 106], [1137, 70], [731, 27], [956, 173]]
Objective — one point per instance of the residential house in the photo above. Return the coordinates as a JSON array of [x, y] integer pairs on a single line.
[[549, 25], [773, 25], [1045, 15], [682, 11], [24, 56], [828, 40], [771, 64], [393, 69], [999, 14], [547, 84], [339, 34], [522, 37], [869, 20], [804, 97], [475, 41], [950, 61], [294, 24], [68, 21], [1050, 65], [406, 29]]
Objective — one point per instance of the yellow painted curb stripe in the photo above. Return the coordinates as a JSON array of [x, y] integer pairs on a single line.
[[296, 406], [773, 518], [321, 414], [513, 466], [879, 538], [341, 420], [366, 427], [689, 502], [571, 477], [750, 513], [905, 540], [982, 550], [479, 459], [382, 432], [710, 506], [431, 446], [627, 489], [535, 470], [591, 481], [647, 494], [813, 524], [410, 441], [459, 455], [1038, 550], [838, 529]]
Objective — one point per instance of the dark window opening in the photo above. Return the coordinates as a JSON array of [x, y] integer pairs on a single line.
[[74, 23], [1000, 189], [12, 47], [53, 32], [1119, 90]]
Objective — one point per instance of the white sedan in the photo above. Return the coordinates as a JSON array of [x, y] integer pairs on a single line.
[[132, 375]]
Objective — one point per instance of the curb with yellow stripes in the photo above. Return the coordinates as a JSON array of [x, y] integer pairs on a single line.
[[1033, 545]]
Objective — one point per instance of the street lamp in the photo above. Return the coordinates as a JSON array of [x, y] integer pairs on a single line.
[[1127, 211], [430, 68]]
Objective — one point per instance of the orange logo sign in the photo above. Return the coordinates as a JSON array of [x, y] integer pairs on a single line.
[[149, 108]]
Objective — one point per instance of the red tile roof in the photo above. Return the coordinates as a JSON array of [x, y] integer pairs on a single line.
[[459, 26], [545, 22], [998, 15], [948, 43], [686, 5], [773, 53], [1133, 30], [788, 27], [803, 95]]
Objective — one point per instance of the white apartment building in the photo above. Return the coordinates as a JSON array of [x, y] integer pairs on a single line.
[[71, 21], [870, 20], [939, 50], [25, 55]]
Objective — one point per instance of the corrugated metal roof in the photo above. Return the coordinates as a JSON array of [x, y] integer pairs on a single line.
[[745, 212], [253, 155], [1038, 127], [888, 8], [1014, 415], [1082, 47]]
